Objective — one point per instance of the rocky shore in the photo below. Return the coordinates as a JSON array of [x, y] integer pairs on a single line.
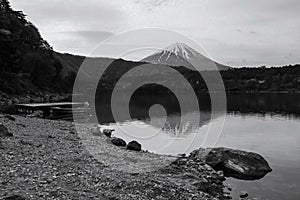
[[44, 159]]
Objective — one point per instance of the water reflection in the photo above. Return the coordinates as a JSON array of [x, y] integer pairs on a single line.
[[287, 105], [264, 123], [274, 103]]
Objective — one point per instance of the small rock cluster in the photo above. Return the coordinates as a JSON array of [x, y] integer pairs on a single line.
[[206, 178], [133, 145]]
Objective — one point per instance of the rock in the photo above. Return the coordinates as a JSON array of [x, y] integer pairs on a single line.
[[134, 145], [20, 124], [118, 142], [96, 132], [1, 145], [25, 142], [4, 132], [14, 197], [10, 117], [243, 194], [227, 196], [108, 132], [51, 136], [180, 161], [220, 173], [234, 163]]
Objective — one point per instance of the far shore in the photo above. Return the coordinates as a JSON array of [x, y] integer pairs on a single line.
[[8, 101]]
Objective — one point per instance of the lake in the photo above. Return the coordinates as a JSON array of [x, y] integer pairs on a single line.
[[267, 124]]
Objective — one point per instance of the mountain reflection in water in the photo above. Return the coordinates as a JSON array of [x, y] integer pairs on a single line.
[[287, 105]]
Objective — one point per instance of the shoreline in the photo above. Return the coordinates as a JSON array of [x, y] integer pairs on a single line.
[[47, 159], [8, 101]]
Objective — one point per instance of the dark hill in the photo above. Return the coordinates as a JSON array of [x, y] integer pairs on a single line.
[[27, 63]]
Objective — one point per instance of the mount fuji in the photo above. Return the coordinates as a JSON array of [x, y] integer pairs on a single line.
[[180, 54]]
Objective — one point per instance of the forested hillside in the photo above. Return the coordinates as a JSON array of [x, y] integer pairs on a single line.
[[27, 63], [254, 79]]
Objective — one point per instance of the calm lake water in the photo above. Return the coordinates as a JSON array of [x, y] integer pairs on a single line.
[[268, 124]]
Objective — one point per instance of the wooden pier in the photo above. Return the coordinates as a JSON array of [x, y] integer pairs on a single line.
[[46, 108]]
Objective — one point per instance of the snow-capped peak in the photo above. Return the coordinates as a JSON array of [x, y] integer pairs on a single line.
[[181, 49], [180, 54]]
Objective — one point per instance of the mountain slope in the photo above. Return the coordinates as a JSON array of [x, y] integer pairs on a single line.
[[27, 63], [180, 54]]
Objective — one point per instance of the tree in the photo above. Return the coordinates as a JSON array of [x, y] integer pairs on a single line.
[[58, 66], [70, 79], [5, 6]]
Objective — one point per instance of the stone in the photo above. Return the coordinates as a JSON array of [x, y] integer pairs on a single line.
[[96, 132], [180, 161], [243, 194], [4, 132], [25, 142], [220, 173], [234, 163], [108, 132], [134, 145], [227, 196], [14, 197], [51, 136], [10, 117], [20, 124], [118, 142]]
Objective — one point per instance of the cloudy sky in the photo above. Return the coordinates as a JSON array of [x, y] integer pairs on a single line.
[[233, 32]]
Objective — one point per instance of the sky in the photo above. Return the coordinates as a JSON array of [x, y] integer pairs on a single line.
[[232, 32]]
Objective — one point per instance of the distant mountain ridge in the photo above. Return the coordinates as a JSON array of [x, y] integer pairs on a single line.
[[180, 54]]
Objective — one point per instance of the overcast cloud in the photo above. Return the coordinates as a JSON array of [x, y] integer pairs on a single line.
[[234, 32]]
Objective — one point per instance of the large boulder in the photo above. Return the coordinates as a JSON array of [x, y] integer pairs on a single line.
[[118, 142], [134, 145], [234, 163], [4, 132]]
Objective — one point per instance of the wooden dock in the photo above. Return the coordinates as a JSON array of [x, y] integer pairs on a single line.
[[46, 108]]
